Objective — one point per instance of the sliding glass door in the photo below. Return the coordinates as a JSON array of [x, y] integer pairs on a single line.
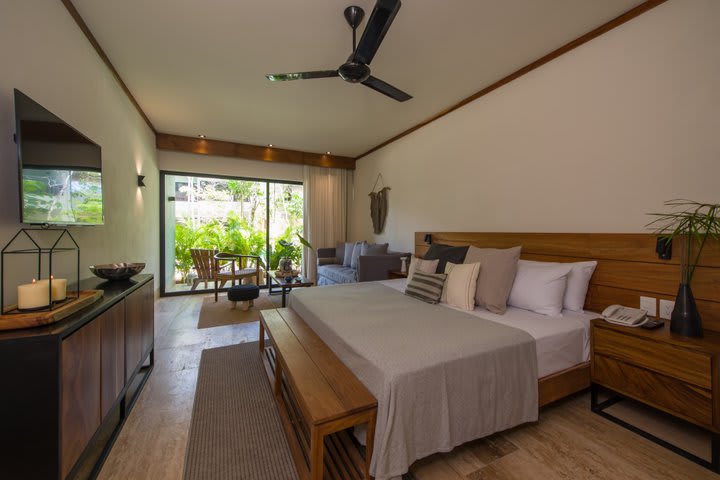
[[201, 214]]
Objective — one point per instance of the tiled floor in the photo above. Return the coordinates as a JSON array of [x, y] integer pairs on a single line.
[[569, 442]]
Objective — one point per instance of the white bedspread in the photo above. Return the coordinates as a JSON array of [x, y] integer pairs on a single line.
[[561, 342]]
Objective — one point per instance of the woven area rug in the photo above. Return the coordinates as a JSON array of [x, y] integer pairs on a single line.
[[235, 431], [217, 314]]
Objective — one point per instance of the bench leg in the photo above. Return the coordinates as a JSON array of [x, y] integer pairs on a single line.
[[278, 377], [316, 454], [261, 337]]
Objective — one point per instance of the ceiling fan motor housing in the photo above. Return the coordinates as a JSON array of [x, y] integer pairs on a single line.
[[354, 72], [354, 15]]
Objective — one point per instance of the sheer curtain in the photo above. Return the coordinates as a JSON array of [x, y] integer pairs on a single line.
[[325, 192]]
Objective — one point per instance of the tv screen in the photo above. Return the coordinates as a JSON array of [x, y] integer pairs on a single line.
[[60, 169]]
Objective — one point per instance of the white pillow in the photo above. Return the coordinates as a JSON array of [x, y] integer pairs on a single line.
[[460, 285], [577, 283], [424, 266], [540, 287]]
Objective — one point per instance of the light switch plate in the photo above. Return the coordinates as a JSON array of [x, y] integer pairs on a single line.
[[649, 304], [666, 308]]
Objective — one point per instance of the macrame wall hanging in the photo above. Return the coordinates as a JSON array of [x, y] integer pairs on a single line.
[[378, 204]]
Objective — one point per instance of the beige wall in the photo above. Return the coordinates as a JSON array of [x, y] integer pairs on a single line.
[[587, 143], [234, 167], [44, 54]]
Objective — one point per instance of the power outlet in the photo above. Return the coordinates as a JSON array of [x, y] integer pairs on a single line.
[[666, 308], [650, 305]]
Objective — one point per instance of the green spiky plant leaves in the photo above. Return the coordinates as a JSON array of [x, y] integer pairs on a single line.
[[692, 222]]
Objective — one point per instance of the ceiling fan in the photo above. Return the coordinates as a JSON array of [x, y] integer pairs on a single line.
[[356, 69]]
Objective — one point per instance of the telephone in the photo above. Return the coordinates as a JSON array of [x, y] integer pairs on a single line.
[[629, 317]]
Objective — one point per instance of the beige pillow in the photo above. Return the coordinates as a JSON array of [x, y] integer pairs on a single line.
[[424, 266], [496, 275], [460, 285]]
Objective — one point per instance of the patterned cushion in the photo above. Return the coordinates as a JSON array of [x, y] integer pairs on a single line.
[[336, 274], [357, 249], [420, 265], [427, 287], [347, 253]]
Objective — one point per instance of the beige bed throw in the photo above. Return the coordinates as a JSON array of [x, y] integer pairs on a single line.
[[441, 377]]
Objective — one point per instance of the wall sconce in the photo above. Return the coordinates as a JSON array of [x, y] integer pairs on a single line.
[[428, 238], [663, 248], [141, 179]]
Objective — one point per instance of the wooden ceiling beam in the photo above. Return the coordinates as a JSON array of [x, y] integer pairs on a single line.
[[204, 146], [101, 53]]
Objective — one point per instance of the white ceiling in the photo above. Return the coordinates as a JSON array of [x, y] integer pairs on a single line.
[[199, 66]]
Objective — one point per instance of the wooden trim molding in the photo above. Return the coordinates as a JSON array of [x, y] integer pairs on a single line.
[[204, 146], [93, 41], [616, 22]]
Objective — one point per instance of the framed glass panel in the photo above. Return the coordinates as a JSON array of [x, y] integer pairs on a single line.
[[202, 214]]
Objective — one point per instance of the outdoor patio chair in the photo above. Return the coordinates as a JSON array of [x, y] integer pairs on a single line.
[[204, 263], [233, 266]]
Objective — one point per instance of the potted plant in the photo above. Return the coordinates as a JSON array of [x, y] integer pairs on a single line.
[[290, 251], [693, 223]]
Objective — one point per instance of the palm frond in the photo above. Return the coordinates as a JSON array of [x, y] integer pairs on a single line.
[[693, 220], [304, 242]]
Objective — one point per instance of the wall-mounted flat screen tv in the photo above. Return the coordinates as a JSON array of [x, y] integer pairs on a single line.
[[60, 169]]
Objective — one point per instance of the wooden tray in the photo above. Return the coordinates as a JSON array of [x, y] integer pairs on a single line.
[[37, 319]]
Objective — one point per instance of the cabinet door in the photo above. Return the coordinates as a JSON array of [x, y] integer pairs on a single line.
[[148, 316], [139, 325], [80, 393], [112, 352]]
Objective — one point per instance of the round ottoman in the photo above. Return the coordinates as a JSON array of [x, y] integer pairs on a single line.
[[243, 293]]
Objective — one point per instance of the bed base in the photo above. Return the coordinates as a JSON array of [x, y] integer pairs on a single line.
[[562, 384]]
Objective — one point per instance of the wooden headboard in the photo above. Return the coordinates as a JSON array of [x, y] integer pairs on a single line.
[[628, 266]]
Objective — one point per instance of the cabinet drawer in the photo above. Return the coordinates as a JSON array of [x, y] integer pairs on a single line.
[[686, 365], [668, 394]]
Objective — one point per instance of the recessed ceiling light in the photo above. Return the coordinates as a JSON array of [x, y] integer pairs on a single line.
[[327, 153], [269, 144], [201, 136]]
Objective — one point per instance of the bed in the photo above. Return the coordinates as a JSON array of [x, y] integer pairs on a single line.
[[433, 368], [432, 384], [561, 342]]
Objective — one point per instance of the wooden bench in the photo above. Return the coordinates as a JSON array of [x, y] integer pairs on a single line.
[[319, 399]]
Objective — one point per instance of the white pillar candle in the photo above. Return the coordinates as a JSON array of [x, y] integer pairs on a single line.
[[32, 295], [59, 288]]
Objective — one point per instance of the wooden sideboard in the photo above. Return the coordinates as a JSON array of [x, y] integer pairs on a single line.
[[68, 387]]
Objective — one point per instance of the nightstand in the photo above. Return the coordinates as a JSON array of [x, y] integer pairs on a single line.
[[396, 274], [674, 374]]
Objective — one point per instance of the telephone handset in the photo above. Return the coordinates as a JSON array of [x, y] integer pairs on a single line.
[[626, 316]]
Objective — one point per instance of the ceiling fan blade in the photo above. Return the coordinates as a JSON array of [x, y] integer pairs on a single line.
[[386, 89], [281, 77], [377, 26]]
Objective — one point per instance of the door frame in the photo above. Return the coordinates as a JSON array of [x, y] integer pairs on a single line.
[[163, 198]]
